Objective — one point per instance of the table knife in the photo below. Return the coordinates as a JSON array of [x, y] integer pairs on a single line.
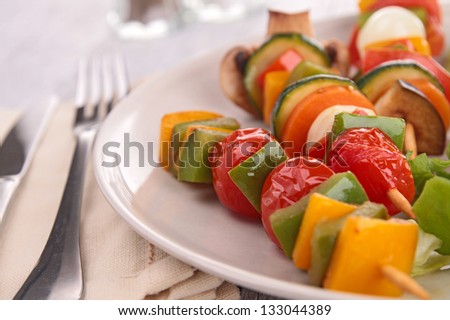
[[18, 148]]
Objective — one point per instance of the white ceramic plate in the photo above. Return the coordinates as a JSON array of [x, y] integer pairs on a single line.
[[187, 220]]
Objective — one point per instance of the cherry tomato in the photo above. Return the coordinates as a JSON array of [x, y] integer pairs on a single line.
[[317, 149], [287, 184], [376, 162], [233, 150]]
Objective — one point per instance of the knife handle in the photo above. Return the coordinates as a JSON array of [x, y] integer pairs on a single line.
[[7, 188]]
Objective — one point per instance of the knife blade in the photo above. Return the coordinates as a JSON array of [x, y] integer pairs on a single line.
[[18, 148]]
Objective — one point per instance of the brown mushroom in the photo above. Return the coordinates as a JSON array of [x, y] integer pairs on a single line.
[[339, 55], [232, 78], [405, 101], [280, 22]]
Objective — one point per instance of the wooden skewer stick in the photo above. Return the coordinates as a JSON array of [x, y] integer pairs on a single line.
[[404, 282], [401, 202], [410, 140]]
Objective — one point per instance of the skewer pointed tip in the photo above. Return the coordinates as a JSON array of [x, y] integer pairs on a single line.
[[401, 202], [410, 140], [404, 281]]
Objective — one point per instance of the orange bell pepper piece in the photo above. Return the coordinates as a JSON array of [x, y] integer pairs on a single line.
[[168, 121], [275, 82], [320, 208]]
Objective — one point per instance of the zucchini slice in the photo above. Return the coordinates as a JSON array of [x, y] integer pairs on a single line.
[[309, 49], [296, 92], [383, 77]]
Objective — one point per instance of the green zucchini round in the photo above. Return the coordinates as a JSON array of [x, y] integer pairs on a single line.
[[309, 49], [377, 81]]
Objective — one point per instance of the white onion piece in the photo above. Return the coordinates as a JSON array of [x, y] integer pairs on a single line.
[[389, 23], [324, 121]]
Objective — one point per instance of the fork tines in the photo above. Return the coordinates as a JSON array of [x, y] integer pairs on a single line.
[[95, 80]]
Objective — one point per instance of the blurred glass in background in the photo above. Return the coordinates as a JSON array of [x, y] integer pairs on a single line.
[[218, 10], [147, 19]]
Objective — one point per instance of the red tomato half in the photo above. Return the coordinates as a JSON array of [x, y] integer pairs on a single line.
[[233, 150], [317, 149], [287, 184], [376, 162]]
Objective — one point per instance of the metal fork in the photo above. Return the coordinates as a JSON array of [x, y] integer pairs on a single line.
[[58, 273]]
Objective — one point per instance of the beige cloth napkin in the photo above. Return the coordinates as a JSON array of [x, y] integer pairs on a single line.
[[117, 262]]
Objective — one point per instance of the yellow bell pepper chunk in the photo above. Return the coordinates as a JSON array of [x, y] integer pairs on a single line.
[[365, 4], [363, 247], [168, 121], [420, 44], [320, 208], [274, 84]]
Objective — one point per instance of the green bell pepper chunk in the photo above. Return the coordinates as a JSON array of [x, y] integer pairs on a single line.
[[193, 158], [393, 127], [179, 136], [424, 168], [306, 69], [249, 175], [433, 211], [286, 222]]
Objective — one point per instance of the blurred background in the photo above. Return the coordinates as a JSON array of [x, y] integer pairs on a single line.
[[41, 41]]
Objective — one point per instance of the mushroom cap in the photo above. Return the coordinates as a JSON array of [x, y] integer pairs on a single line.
[[232, 79], [339, 55], [405, 101]]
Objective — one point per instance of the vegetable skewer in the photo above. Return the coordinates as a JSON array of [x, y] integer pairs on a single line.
[[276, 66], [399, 200]]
